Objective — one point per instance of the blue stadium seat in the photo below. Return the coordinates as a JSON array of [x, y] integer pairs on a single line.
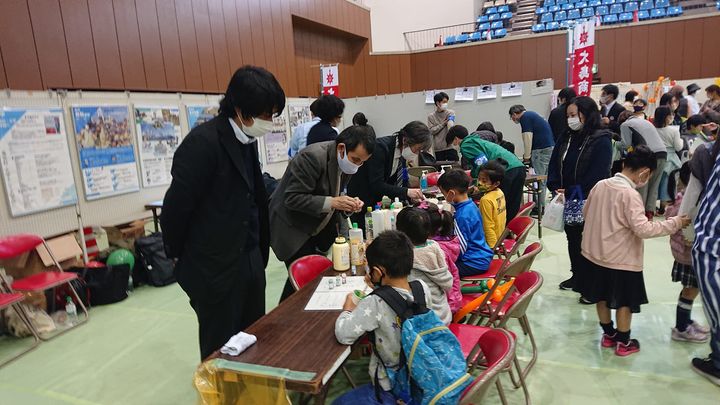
[[540, 10], [674, 11], [657, 13], [493, 17], [506, 15], [538, 27], [717, 5], [561, 2], [450, 40], [496, 25], [552, 26], [643, 15], [549, 3], [616, 9], [560, 16], [546, 18], [608, 2], [475, 36], [462, 38], [626, 17], [553, 9], [483, 19], [622, 1], [646, 5], [630, 7], [565, 24], [491, 10], [484, 26], [594, 3], [573, 14], [581, 5], [662, 3], [566, 7], [610, 19], [503, 9], [588, 12], [501, 33], [601, 10]]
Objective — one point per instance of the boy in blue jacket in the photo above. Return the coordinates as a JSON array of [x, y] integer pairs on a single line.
[[475, 254]]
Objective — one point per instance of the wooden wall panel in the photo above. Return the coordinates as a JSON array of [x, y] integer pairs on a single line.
[[499, 61], [692, 50], [246, 43], [83, 59], [605, 54], [281, 57], [188, 45], [528, 60], [129, 44], [557, 56], [170, 42], [371, 85], [709, 56], [232, 36], [288, 44], [150, 44], [639, 45], [18, 47], [383, 84], [623, 54], [50, 43], [219, 42], [205, 45], [656, 51], [268, 37], [513, 59], [395, 84], [543, 46], [674, 35], [256, 33], [3, 78]]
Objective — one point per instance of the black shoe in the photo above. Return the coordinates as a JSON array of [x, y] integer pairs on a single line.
[[707, 369], [568, 284], [585, 301]]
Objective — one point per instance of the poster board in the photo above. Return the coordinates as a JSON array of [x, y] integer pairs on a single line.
[[36, 167], [199, 114], [106, 150], [158, 132], [277, 141]]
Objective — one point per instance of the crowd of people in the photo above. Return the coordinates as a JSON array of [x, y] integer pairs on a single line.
[[608, 156]]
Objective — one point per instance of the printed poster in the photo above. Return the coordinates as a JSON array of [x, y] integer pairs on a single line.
[[464, 94], [106, 149], [486, 92], [429, 96], [276, 141], [35, 160], [513, 89], [299, 114], [158, 131], [543, 86], [200, 114]]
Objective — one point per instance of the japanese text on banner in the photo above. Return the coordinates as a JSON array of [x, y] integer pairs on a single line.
[[583, 57]]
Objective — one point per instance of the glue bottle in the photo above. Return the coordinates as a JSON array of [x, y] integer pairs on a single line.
[[341, 254], [357, 247], [423, 180], [378, 221], [368, 225]]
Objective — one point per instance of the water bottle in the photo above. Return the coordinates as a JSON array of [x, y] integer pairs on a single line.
[[368, 225], [423, 180], [71, 311]]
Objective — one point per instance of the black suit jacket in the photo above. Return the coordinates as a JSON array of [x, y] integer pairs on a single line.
[[372, 180], [613, 115], [205, 215]]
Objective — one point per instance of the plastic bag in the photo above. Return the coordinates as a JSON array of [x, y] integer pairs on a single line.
[[574, 207], [217, 385], [553, 217]]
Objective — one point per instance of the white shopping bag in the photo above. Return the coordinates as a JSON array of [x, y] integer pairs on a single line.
[[553, 218]]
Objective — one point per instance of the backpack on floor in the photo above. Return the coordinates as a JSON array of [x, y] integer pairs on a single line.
[[106, 284], [153, 266], [432, 367]]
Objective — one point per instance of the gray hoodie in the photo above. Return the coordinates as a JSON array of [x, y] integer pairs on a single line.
[[430, 267]]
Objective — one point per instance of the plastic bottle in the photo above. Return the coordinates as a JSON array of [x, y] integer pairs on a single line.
[[341, 254], [423, 180], [71, 311], [386, 201], [397, 206], [378, 220], [368, 225], [357, 247]]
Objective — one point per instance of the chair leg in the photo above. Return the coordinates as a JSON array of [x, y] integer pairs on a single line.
[[80, 322], [501, 391], [26, 320], [349, 378], [522, 382], [534, 347]]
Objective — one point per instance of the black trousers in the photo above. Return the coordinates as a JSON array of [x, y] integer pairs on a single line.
[[512, 186], [574, 234], [220, 318], [316, 245], [450, 155]]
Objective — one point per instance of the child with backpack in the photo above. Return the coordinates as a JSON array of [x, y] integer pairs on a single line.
[[428, 260], [685, 330], [475, 255], [615, 225], [442, 224], [492, 204], [395, 314]]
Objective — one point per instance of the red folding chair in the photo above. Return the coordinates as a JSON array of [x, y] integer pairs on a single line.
[[15, 245], [514, 235], [525, 209], [307, 269], [498, 350], [12, 300]]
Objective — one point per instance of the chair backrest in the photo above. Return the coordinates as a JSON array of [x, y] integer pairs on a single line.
[[526, 284], [307, 269], [601, 10], [538, 27], [496, 25], [573, 15], [525, 209], [630, 7], [498, 348], [522, 263], [520, 227], [588, 12], [15, 245], [616, 8]]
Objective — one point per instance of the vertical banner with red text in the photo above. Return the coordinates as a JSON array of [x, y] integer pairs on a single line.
[[330, 80], [583, 57]]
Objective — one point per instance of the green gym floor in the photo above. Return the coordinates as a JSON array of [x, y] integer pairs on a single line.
[[144, 349]]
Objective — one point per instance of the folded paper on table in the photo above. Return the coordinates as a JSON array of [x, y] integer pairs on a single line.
[[326, 299]]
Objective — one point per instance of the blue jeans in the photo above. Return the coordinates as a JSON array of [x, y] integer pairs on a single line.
[[365, 395], [540, 160]]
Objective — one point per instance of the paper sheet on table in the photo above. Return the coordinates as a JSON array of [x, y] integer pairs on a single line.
[[325, 299]]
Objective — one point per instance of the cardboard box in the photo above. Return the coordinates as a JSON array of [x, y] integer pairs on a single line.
[[65, 248], [124, 235]]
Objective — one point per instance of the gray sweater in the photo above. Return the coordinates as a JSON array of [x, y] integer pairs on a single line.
[[647, 132], [439, 129], [430, 267]]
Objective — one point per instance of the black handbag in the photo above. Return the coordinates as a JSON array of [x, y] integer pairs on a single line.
[[107, 284]]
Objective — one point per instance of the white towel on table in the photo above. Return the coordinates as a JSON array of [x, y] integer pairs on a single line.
[[238, 343]]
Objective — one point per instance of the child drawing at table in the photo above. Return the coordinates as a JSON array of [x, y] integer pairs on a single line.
[[429, 260], [442, 224], [390, 260]]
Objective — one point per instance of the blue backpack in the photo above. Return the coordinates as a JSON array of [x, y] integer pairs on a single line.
[[432, 367]]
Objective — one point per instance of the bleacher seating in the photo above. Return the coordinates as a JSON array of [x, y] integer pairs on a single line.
[[552, 26], [643, 15], [601, 10], [657, 13], [560, 16], [500, 33], [610, 19], [573, 15], [662, 4], [566, 7], [646, 5], [616, 9], [631, 6], [625, 17], [538, 27]]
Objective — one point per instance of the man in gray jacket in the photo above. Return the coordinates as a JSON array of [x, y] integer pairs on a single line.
[[306, 208]]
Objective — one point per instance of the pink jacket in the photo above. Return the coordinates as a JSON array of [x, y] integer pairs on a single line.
[[615, 225], [678, 246], [451, 248]]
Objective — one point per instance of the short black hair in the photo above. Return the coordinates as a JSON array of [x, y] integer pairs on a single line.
[[661, 114], [355, 135], [630, 95], [442, 222], [486, 126], [255, 92], [393, 251], [457, 131], [641, 101], [567, 94], [516, 109], [454, 179], [639, 158], [494, 170], [359, 119], [714, 88], [415, 223], [440, 97], [696, 120], [612, 90], [329, 107], [314, 107]]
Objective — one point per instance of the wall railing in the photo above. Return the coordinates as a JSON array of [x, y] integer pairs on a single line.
[[434, 37]]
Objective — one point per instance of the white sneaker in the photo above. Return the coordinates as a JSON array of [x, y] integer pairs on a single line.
[[689, 335], [700, 328]]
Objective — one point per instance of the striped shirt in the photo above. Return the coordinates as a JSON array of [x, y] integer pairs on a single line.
[[707, 224]]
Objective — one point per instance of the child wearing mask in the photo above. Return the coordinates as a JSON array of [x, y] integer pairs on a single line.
[[492, 203], [442, 224], [615, 217], [475, 254], [428, 260]]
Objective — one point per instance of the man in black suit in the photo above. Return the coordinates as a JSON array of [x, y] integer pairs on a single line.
[[215, 215], [610, 109], [558, 117]]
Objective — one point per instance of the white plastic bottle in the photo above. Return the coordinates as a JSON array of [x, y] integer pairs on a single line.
[[71, 311], [368, 225], [378, 220], [357, 246], [341, 254]]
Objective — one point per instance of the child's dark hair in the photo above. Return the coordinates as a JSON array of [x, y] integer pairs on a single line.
[[683, 173], [494, 170], [454, 179], [457, 131], [441, 221], [393, 251], [696, 120], [415, 223], [641, 157]]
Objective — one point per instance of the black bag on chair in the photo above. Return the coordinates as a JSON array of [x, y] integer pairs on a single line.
[[153, 266]]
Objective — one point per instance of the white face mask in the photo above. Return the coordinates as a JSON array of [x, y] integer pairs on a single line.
[[643, 182], [346, 165], [259, 128], [443, 106], [409, 156], [574, 123]]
